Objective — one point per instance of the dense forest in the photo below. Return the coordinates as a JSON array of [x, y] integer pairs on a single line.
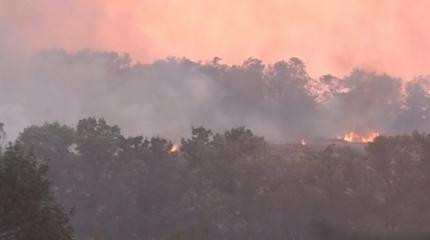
[[229, 185], [288, 174]]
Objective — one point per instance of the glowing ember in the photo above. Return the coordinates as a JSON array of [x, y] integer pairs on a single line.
[[303, 142], [355, 137], [174, 149]]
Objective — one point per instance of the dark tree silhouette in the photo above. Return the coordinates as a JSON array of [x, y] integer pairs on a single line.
[[27, 207]]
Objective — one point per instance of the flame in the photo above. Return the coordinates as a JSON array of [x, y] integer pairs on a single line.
[[303, 142], [174, 148], [355, 137]]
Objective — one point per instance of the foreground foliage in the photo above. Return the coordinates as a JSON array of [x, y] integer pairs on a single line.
[[27, 207]]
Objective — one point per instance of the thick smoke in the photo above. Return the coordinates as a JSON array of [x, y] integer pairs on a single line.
[[167, 97], [331, 36]]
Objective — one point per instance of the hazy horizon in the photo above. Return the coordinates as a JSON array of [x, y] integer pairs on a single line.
[[330, 36]]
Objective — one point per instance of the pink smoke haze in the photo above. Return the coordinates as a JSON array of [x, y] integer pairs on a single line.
[[331, 36]]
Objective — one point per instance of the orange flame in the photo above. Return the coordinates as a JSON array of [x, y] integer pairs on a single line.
[[174, 148], [303, 142], [355, 137]]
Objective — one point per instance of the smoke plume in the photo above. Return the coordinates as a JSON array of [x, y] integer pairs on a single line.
[[167, 97]]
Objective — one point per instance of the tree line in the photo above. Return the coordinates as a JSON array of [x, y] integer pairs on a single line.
[[232, 185]]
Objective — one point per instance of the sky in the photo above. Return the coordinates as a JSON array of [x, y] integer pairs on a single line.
[[331, 36]]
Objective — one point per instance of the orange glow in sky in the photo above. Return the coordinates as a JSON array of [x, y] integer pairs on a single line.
[[331, 36]]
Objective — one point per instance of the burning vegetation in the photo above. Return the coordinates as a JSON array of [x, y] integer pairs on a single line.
[[353, 137], [174, 149]]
